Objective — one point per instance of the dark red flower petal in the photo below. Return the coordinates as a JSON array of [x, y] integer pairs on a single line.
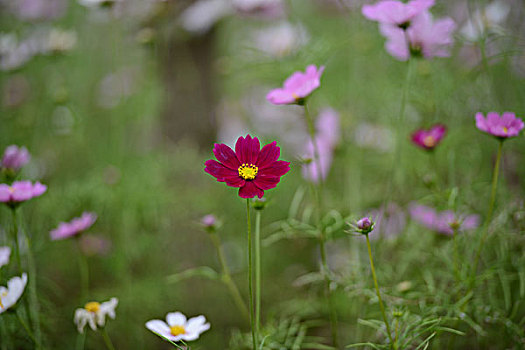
[[247, 149], [266, 182], [249, 190], [278, 168], [226, 156], [234, 181], [218, 170], [269, 154]]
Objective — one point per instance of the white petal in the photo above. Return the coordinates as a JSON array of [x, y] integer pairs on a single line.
[[195, 322], [196, 331], [176, 319], [80, 319], [159, 327]]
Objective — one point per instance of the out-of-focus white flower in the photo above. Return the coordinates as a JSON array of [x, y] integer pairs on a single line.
[[10, 295], [61, 40], [486, 20], [5, 253], [94, 314], [177, 327], [202, 15], [373, 136], [280, 40]]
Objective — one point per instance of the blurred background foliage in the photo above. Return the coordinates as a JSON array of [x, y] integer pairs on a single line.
[[120, 105]]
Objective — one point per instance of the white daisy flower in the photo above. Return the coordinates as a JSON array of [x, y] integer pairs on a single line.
[[177, 328], [94, 313], [10, 295], [5, 252]]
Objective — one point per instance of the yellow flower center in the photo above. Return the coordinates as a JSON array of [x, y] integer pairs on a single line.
[[11, 190], [3, 295], [294, 95], [92, 306], [248, 171], [505, 129], [177, 330], [429, 141]]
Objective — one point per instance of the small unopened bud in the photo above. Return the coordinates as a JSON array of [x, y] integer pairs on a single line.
[[365, 225], [397, 313], [210, 223], [259, 203]]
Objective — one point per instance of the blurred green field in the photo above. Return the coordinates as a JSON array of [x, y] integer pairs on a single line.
[[117, 150]]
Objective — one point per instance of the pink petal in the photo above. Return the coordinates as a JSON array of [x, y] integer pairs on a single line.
[[226, 156], [278, 168], [269, 154], [218, 170], [265, 182], [249, 190]]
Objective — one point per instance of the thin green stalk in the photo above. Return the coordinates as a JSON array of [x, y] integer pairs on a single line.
[[26, 327], [83, 271], [257, 273], [397, 333], [226, 277], [491, 209], [81, 339], [399, 128], [15, 239], [33, 298], [318, 197], [456, 254], [250, 278], [107, 339], [389, 333]]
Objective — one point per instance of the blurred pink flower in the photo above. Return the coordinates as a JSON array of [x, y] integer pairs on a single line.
[[5, 253], [441, 221], [389, 221], [502, 127], [252, 169], [208, 220], [429, 139], [74, 227], [31, 10], [396, 13], [297, 87], [365, 224], [15, 158], [328, 134], [20, 191], [426, 38]]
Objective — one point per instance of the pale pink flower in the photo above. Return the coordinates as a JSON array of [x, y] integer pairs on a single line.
[[426, 38], [442, 222], [20, 191], [15, 158], [396, 13], [74, 227], [297, 87], [504, 126]]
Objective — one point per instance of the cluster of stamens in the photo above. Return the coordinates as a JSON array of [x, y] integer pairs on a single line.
[[177, 330], [248, 171], [429, 141], [92, 306]]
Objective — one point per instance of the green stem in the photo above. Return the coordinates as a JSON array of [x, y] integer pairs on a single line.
[[226, 277], [250, 278], [81, 339], [26, 327], [6, 343], [34, 309], [257, 273], [15, 239], [456, 254], [397, 333], [83, 270], [107, 339], [322, 239], [491, 209], [389, 333]]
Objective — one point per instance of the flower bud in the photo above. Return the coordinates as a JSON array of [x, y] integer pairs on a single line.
[[15, 158], [259, 203], [365, 225], [210, 223]]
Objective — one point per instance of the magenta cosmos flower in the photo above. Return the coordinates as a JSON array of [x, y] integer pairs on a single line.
[[251, 169], [396, 13], [502, 127], [442, 222], [15, 158], [429, 139], [426, 38], [74, 227], [297, 87], [20, 191]]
